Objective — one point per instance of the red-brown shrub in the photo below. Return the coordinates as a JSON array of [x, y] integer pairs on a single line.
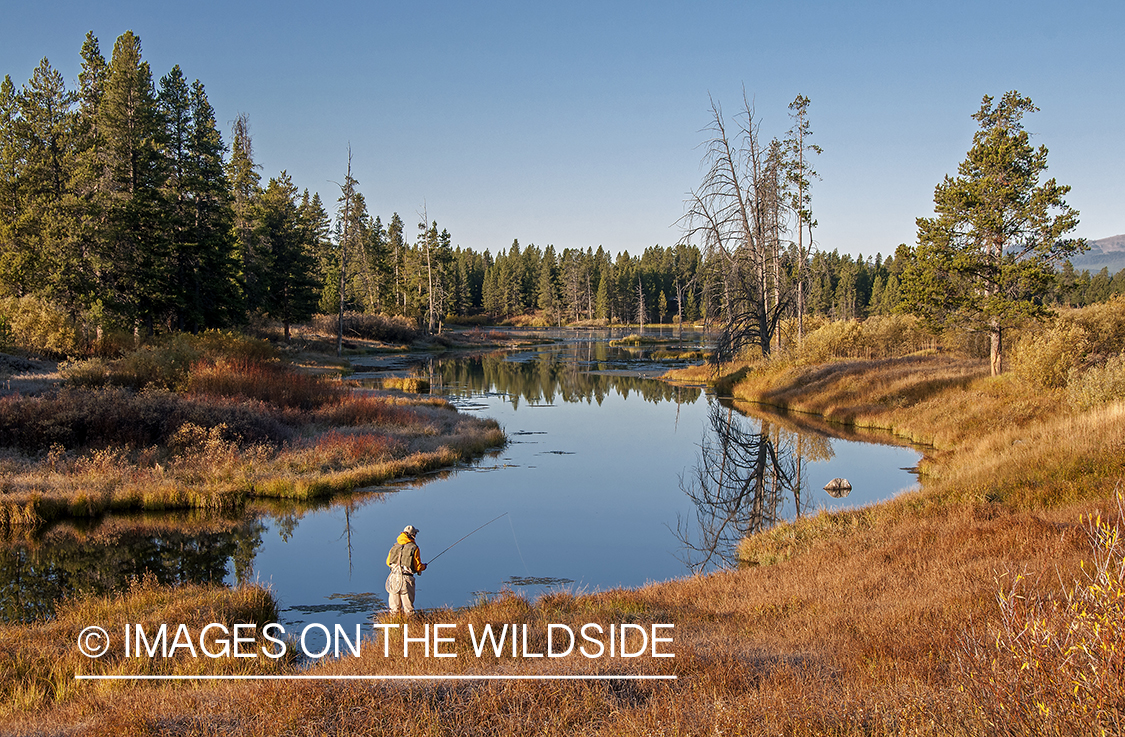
[[272, 382], [354, 447], [359, 409], [84, 418]]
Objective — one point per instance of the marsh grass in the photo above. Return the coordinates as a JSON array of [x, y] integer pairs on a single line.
[[212, 467], [41, 659], [856, 635], [407, 384], [1055, 663], [240, 424], [636, 339]]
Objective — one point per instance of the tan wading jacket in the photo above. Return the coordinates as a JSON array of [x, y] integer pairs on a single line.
[[411, 556]]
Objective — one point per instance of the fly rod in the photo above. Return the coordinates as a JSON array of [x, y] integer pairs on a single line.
[[486, 524]]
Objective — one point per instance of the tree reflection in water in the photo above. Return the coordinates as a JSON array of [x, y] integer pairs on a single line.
[[749, 476], [36, 572], [566, 373]]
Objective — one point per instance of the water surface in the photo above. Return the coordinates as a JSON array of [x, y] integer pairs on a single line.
[[610, 479]]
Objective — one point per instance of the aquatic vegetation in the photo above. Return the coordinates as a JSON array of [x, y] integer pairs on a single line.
[[408, 384]]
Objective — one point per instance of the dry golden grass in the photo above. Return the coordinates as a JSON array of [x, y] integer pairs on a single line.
[[857, 635], [40, 660], [408, 384], [1056, 664], [208, 469]]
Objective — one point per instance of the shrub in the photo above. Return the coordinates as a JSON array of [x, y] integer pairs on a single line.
[[1104, 323], [476, 320], [391, 329], [883, 336], [167, 363], [83, 418], [1048, 357], [216, 344], [1098, 385], [38, 326], [358, 409], [274, 382], [1075, 341], [345, 448], [1056, 665]]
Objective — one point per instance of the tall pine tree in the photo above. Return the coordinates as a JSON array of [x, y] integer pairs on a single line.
[[291, 289], [134, 246]]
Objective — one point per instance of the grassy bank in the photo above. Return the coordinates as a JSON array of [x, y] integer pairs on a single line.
[[208, 422], [40, 660]]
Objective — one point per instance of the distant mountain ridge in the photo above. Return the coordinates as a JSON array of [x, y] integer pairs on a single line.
[[1104, 253]]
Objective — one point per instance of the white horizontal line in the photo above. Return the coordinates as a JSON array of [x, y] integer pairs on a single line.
[[372, 678]]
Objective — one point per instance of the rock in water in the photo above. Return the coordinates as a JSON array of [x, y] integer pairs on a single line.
[[838, 488]]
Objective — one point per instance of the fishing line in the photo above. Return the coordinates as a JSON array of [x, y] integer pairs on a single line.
[[486, 524], [517, 542]]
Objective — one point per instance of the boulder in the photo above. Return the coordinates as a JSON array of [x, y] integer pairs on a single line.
[[838, 488]]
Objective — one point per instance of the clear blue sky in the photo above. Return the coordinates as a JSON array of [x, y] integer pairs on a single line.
[[579, 124]]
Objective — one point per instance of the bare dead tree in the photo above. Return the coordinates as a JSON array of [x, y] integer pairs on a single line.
[[731, 213], [800, 175]]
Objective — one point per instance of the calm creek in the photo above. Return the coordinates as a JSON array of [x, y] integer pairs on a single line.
[[609, 479]]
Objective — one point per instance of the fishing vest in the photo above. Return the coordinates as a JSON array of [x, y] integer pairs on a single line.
[[405, 557]]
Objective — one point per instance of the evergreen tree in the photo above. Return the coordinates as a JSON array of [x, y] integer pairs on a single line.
[[1099, 289], [988, 255], [245, 190], [291, 290], [396, 252], [39, 160], [547, 292], [1117, 285], [133, 246], [211, 294], [15, 261], [88, 190], [602, 303], [174, 104]]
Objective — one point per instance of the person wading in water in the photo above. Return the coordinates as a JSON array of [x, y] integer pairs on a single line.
[[404, 560]]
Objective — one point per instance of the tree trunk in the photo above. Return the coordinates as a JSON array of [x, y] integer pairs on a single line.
[[996, 352]]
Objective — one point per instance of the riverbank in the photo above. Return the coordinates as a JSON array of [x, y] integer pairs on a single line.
[[992, 439], [208, 422]]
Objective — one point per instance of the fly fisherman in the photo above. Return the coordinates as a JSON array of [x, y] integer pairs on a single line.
[[404, 560]]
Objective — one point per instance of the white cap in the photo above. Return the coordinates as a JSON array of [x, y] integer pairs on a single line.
[[410, 530]]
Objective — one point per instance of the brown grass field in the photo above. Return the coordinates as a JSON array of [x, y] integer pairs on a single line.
[[992, 601]]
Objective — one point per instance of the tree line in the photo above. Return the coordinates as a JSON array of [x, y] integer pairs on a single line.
[[122, 206]]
